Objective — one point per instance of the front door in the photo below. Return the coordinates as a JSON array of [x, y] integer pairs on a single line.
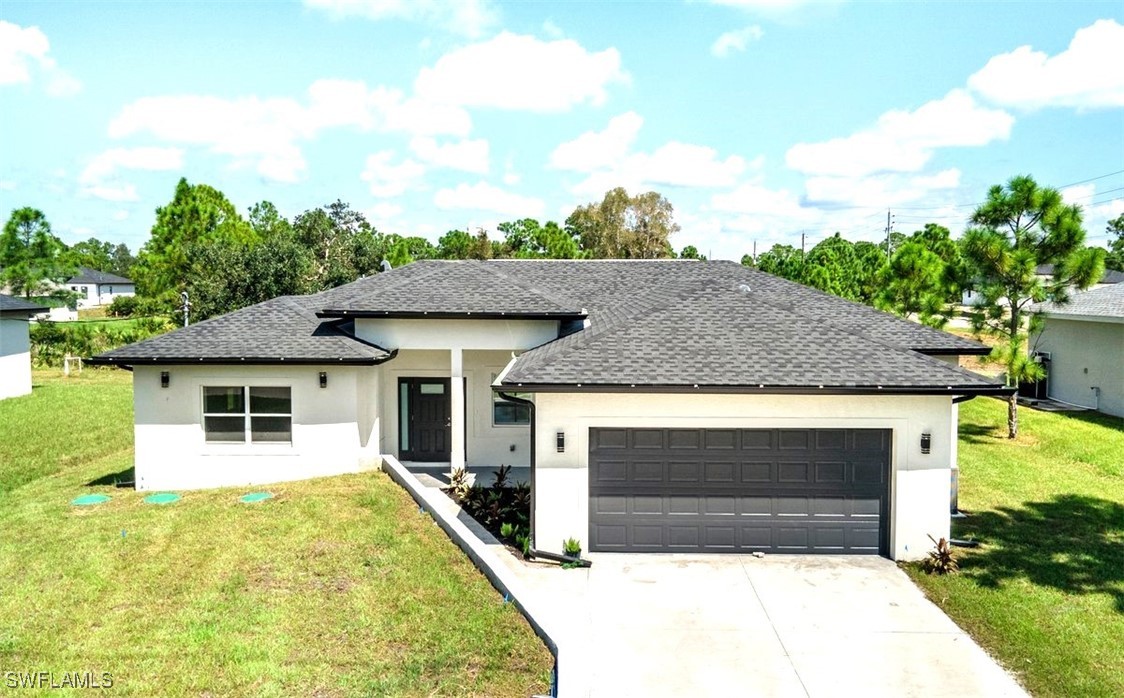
[[425, 419]]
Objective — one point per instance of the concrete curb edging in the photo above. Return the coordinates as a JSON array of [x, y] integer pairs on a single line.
[[505, 582]]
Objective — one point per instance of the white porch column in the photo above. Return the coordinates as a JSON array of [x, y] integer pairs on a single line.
[[456, 403]]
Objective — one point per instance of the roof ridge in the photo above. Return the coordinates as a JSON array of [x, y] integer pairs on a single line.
[[564, 302]]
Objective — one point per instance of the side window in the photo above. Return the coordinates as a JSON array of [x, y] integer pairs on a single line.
[[506, 413], [239, 414]]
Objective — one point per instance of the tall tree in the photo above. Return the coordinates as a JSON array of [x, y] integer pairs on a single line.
[[925, 277], [1020, 226], [32, 259], [833, 267], [623, 226], [784, 261], [527, 238], [1115, 257], [92, 253], [691, 252], [121, 261], [274, 266], [196, 214]]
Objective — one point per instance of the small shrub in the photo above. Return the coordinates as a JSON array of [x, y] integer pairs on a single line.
[[123, 306], [941, 559], [501, 477], [572, 547]]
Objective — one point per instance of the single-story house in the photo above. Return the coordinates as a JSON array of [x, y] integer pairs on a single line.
[[675, 405], [1044, 272], [99, 287], [1083, 341], [15, 345]]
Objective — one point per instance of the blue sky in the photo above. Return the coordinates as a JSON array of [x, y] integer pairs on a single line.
[[758, 119]]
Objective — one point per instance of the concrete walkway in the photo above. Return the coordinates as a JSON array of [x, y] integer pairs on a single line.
[[717, 625]]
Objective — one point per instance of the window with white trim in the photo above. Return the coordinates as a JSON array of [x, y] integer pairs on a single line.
[[248, 414], [506, 413]]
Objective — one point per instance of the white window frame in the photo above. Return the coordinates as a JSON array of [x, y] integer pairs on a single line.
[[496, 399], [247, 414]]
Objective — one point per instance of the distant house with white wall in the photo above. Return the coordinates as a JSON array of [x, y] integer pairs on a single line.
[[662, 405], [1084, 341], [1045, 272], [98, 287], [15, 345]]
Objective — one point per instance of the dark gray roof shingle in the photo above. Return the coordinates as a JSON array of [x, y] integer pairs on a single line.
[[87, 275], [18, 307], [1100, 301], [718, 335], [669, 323], [278, 330]]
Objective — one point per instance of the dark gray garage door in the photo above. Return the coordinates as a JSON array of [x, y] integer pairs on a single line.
[[739, 490]]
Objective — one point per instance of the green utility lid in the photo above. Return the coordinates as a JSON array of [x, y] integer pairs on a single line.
[[88, 499], [162, 498], [255, 497]]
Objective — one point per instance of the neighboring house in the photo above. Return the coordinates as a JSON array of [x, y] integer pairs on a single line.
[[15, 346], [1084, 343], [98, 287], [1045, 272], [673, 405]]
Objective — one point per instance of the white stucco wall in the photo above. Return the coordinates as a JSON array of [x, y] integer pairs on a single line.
[[1084, 354], [485, 444], [100, 294], [327, 432], [15, 358], [509, 335], [919, 493]]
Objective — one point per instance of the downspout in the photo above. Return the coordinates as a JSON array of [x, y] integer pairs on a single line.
[[531, 406]]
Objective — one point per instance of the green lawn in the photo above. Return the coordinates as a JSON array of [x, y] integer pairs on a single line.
[[335, 587], [1045, 591]]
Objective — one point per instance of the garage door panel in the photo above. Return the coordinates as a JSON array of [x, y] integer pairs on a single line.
[[783, 490], [757, 472], [793, 472], [719, 473]]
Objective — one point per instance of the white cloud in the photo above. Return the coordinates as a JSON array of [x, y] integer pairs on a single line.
[[466, 155], [521, 73], [1088, 74], [1079, 194], [468, 17], [735, 40], [880, 190], [595, 149], [120, 215], [24, 50], [7, 185], [752, 198], [101, 178], [486, 197], [387, 179], [605, 156], [904, 141], [264, 133]]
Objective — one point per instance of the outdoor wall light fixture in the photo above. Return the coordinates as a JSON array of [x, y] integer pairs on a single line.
[[560, 441], [323, 379], [164, 379], [926, 442]]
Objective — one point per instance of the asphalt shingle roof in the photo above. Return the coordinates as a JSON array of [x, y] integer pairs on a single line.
[[12, 306], [278, 330], [87, 275], [654, 323], [1100, 301]]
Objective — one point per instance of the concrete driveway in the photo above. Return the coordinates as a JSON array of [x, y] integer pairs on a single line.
[[729, 625], [674, 625]]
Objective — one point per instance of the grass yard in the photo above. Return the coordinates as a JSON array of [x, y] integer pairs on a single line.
[[1045, 591], [334, 587]]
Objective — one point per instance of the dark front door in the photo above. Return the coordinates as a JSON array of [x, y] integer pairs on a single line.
[[739, 490], [425, 419]]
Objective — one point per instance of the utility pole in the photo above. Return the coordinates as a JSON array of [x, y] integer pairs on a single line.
[[186, 307], [754, 253], [801, 248], [889, 225]]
